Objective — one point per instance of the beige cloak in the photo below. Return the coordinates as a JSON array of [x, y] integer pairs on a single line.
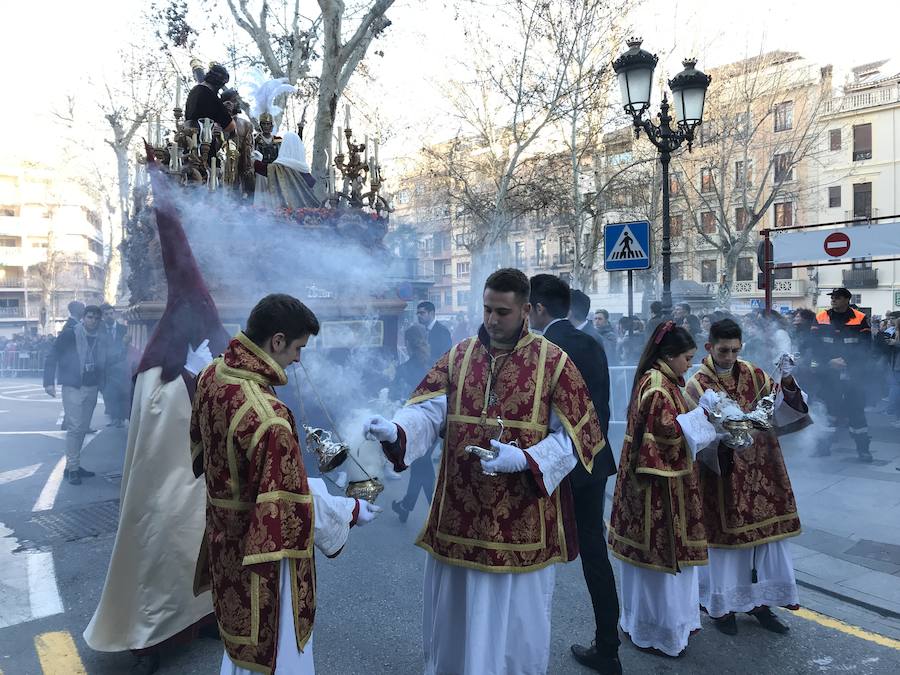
[[148, 596]]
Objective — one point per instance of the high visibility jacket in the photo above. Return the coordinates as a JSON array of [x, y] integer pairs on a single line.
[[846, 336]]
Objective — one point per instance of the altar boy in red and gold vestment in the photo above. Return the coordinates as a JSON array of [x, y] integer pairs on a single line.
[[748, 506], [656, 524], [263, 515], [493, 538]]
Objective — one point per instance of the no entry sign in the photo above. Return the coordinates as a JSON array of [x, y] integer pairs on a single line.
[[837, 244], [858, 241]]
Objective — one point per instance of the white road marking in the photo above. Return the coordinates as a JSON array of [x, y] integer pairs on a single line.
[[18, 474], [53, 433], [43, 593], [47, 497]]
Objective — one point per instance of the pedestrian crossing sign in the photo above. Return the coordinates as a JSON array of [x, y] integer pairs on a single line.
[[627, 246]]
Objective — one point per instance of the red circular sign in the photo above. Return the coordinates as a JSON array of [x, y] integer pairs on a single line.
[[837, 244]]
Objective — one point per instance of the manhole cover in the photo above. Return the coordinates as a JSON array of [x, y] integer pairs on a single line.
[[73, 524], [875, 550]]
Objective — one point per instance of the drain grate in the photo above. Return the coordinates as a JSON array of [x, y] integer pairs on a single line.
[[80, 523]]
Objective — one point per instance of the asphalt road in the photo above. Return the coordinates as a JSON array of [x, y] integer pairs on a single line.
[[53, 562]]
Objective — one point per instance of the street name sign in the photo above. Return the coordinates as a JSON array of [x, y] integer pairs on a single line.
[[626, 246], [855, 241]]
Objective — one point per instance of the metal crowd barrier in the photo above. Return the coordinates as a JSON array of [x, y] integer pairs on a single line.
[[22, 363]]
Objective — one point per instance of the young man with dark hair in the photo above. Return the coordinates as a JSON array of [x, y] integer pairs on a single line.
[[497, 525], [579, 309], [439, 339], [550, 300], [263, 514], [748, 504], [78, 362], [117, 387]]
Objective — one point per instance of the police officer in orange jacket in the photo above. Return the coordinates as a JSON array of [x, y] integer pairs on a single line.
[[844, 342]]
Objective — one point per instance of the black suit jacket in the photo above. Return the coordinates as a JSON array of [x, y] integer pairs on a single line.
[[439, 340], [589, 357]]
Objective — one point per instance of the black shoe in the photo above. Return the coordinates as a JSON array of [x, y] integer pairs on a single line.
[[80, 472], [145, 664], [769, 621], [74, 478], [726, 625], [590, 658], [400, 510]]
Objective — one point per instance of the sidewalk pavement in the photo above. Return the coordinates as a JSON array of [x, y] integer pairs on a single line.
[[850, 512]]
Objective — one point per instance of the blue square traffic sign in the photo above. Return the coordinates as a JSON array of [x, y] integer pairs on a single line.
[[626, 246]]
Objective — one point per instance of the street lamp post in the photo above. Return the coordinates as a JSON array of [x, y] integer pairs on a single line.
[[635, 74]]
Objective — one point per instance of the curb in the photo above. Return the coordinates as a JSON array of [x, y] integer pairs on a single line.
[[845, 595]]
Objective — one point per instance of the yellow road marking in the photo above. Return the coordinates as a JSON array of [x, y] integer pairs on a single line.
[[828, 622], [58, 654]]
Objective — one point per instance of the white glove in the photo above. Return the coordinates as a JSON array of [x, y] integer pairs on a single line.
[[367, 512], [256, 156], [510, 460], [198, 359], [380, 429], [709, 400], [786, 365]]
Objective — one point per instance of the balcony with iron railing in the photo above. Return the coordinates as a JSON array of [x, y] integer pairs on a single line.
[[792, 288], [861, 216], [861, 99], [861, 278], [12, 312]]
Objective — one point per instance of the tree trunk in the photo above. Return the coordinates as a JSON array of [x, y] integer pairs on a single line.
[[326, 107]]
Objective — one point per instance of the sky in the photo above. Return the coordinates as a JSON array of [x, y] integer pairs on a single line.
[[48, 48]]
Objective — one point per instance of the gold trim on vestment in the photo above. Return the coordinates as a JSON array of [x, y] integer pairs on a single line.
[[662, 473], [259, 353], [588, 464], [660, 568], [254, 667], [467, 357], [539, 383], [283, 495], [492, 422], [559, 370], [499, 546], [426, 397], [760, 542], [498, 569], [295, 598], [253, 638], [696, 543], [753, 526], [231, 504], [275, 556]]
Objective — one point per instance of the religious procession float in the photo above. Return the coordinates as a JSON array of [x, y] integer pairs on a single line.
[[258, 223]]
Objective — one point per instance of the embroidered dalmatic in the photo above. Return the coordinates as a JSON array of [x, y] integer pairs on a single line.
[[752, 502], [656, 524], [510, 522], [750, 509], [260, 514], [657, 520], [492, 540]]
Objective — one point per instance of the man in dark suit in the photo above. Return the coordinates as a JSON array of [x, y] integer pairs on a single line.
[[76, 312], [438, 334], [550, 302], [579, 308]]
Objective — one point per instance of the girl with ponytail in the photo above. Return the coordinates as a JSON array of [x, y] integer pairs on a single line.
[[656, 524]]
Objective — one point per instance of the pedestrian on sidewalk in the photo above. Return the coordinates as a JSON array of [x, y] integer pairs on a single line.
[[409, 375], [78, 362], [748, 503], [892, 344]]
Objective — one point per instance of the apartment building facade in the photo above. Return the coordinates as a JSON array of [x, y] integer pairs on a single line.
[[51, 250], [858, 178]]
